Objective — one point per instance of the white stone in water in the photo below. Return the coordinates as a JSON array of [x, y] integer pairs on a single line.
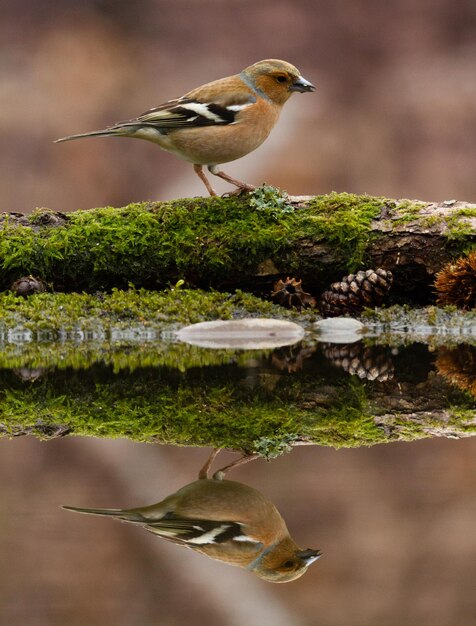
[[339, 330], [245, 334]]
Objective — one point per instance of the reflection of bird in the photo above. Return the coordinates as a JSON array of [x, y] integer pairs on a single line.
[[226, 521], [218, 122]]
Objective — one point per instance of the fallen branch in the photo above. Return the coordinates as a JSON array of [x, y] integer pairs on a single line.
[[245, 242]]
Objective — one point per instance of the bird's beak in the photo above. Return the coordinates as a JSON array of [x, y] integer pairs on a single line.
[[309, 556], [302, 85]]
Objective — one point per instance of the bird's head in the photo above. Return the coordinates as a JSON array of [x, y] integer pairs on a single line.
[[285, 562], [276, 79]]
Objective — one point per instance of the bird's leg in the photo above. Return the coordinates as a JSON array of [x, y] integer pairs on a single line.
[[220, 474], [213, 169], [204, 179], [203, 473]]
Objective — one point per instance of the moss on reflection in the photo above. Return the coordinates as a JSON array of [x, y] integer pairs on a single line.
[[245, 406], [120, 355], [204, 407]]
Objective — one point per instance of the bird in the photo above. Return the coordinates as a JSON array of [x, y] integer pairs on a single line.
[[218, 122], [226, 521]]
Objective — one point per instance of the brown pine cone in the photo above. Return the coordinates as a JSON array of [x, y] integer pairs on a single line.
[[456, 283], [356, 291], [28, 285], [291, 294]]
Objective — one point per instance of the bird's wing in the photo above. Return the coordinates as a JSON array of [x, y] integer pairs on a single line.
[[199, 532], [187, 113], [190, 112]]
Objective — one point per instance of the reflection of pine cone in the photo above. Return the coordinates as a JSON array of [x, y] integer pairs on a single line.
[[29, 374], [458, 366], [369, 362], [356, 291], [291, 358], [290, 293]]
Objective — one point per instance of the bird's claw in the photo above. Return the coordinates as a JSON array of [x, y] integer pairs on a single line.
[[239, 191]]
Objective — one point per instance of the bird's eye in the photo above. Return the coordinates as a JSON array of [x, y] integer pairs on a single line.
[[281, 79], [288, 564]]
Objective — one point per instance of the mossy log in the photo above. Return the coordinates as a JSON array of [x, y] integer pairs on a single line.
[[245, 242]]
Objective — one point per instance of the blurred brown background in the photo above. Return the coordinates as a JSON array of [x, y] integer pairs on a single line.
[[396, 524], [394, 113]]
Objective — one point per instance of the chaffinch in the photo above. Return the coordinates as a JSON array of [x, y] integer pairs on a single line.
[[226, 521], [218, 122]]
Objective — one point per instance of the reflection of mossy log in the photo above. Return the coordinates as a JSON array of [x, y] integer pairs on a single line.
[[135, 328], [230, 242], [248, 405]]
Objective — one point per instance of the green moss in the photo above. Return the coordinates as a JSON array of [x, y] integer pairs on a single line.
[[175, 393], [464, 416], [203, 241], [411, 318], [203, 409], [124, 329], [431, 221], [147, 244], [185, 401], [436, 326], [123, 352], [461, 226], [342, 221], [407, 211], [133, 328], [345, 420], [66, 312], [207, 406]]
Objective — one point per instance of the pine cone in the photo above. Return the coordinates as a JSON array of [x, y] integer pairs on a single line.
[[291, 294], [356, 291], [28, 285], [456, 283], [366, 362]]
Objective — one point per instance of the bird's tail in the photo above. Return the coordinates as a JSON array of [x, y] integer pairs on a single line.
[[141, 515], [114, 512], [108, 132], [128, 515]]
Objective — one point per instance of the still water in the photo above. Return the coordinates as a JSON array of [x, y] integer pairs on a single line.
[[396, 522]]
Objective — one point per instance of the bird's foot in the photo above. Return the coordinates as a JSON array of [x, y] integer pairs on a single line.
[[220, 474], [242, 189], [203, 473], [199, 172]]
